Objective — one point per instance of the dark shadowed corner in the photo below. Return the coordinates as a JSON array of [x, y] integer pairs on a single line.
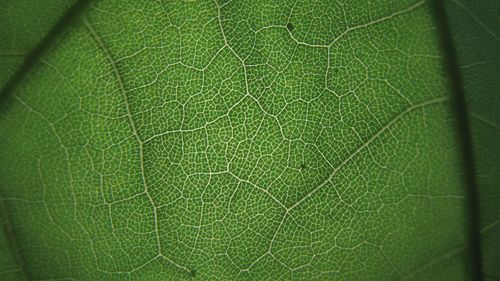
[[34, 56]]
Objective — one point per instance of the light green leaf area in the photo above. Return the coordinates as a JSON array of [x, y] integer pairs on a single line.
[[22, 25], [239, 140], [477, 37]]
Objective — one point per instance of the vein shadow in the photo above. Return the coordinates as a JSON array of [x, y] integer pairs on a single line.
[[459, 107], [34, 56]]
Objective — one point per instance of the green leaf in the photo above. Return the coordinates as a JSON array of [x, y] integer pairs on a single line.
[[477, 37], [22, 25], [249, 140]]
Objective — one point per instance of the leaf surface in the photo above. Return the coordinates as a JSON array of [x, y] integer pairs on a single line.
[[477, 37], [23, 24], [251, 140]]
